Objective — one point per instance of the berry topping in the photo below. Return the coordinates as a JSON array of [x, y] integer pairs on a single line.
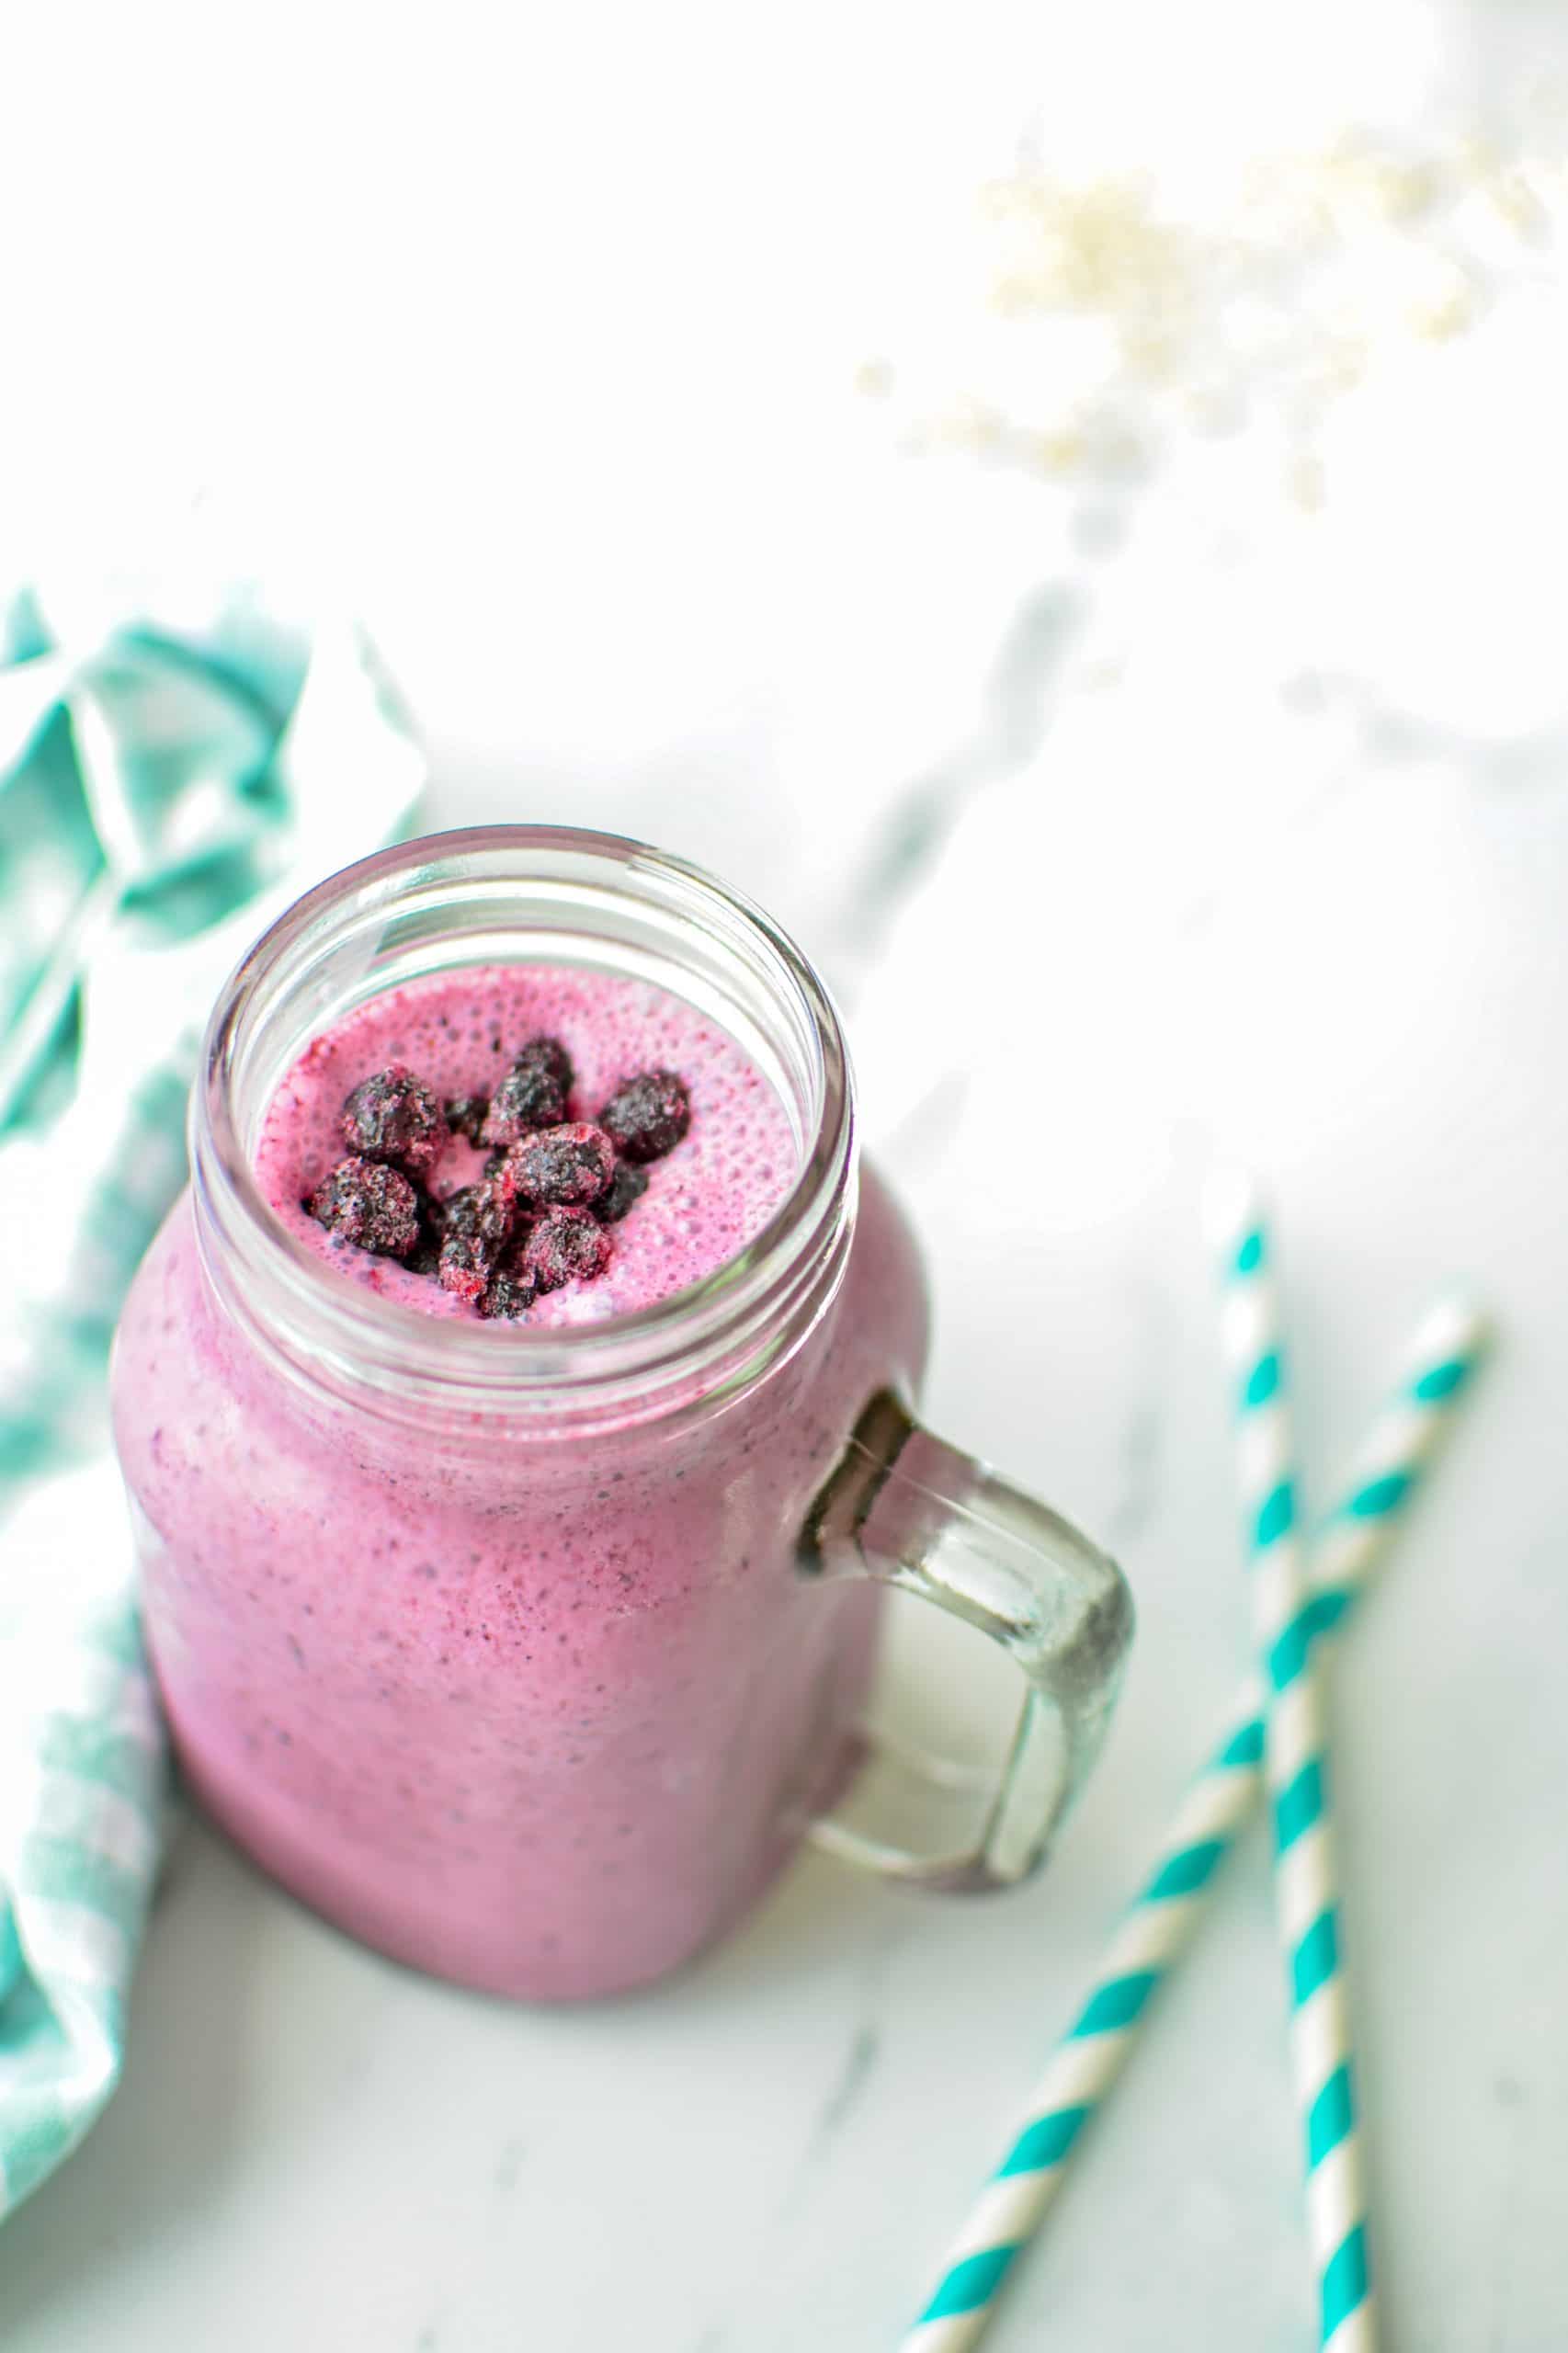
[[563, 1168], [360, 1201], [566, 1245], [393, 1116], [648, 1115], [553, 1056], [537, 1219], [476, 1227], [532, 1094], [627, 1186], [477, 1210], [500, 1180], [509, 1295], [425, 1255], [466, 1114]]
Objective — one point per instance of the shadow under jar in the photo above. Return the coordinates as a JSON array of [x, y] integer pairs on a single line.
[[528, 1656]]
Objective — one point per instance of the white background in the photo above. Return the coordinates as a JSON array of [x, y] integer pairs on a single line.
[[1154, 815]]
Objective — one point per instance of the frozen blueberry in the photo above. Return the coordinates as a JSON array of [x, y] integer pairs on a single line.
[[393, 1116], [424, 1257], [566, 1245], [508, 1294], [648, 1115], [563, 1168], [532, 1094], [476, 1226], [503, 1179], [553, 1056], [465, 1265], [481, 1210], [466, 1114], [627, 1186], [361, 1201]]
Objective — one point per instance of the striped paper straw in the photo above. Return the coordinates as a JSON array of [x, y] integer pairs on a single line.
[[1295, 1767], [1160, 1923]]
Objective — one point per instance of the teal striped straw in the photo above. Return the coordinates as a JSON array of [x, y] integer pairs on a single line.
[[1162, 1919], [1296, 1774]]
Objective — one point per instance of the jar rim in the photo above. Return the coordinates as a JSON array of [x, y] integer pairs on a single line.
[[348, 1337]]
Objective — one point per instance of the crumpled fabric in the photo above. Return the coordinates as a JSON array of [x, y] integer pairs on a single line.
[[175, 769]]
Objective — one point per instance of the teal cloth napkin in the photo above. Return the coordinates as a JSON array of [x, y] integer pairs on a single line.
[[173, 772]]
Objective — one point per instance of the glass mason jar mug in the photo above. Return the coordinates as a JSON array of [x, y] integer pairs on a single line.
[[528, 1656]]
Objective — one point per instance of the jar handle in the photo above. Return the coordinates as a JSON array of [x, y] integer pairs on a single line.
[[908, 1511]]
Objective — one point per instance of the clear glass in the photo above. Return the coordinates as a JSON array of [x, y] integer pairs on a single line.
[[530, 1656]]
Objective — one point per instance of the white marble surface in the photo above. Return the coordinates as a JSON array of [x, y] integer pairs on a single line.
[[1150, 807]]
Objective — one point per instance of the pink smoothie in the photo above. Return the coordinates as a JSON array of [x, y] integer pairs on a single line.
[[540, 1714], [459, 1032]]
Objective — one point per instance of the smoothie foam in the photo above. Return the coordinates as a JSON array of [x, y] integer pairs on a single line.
[[459, 1031]]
